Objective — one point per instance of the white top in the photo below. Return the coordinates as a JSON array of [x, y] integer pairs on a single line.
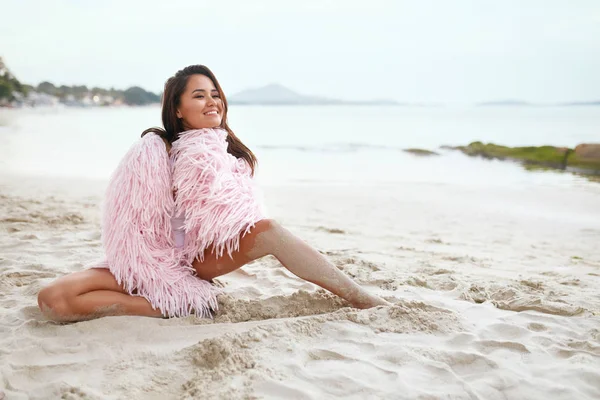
[[178, 232]]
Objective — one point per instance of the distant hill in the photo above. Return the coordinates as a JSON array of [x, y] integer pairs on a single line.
[[582, 103], [518, 103], [275, 94]]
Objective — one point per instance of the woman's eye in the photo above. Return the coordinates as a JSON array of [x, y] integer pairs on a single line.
[[199, 97]]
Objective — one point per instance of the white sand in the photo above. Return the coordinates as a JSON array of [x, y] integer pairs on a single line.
[[496, 292]]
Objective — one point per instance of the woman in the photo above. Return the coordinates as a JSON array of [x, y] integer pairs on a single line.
[[193, 100]]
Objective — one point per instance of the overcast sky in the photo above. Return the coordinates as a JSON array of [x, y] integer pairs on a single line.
[[417, 51]]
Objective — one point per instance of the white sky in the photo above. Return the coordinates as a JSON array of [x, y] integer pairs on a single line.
[[417, 51]]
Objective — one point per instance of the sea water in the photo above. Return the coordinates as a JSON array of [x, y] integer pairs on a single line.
[[316, 144]]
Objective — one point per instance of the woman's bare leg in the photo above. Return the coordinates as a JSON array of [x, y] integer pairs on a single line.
[[269, 237], [90, 294]]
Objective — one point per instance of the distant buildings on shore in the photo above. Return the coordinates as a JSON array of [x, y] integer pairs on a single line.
[[48, 95], [16, 94], [40, 99]]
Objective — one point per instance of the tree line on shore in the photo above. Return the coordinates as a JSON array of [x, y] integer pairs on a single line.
[[14, 93]]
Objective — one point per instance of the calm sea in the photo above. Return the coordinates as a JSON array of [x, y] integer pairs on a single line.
[[333, 144]]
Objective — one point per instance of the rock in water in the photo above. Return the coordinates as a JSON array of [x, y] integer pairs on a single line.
[[585, 156]]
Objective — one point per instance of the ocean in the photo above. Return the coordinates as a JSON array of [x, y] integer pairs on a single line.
[[315, 144]]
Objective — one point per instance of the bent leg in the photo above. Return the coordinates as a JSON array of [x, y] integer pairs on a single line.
[[90, 294], [269, 237], [212, 266]]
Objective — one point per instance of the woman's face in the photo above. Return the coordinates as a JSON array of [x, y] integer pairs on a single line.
[[200, 105]]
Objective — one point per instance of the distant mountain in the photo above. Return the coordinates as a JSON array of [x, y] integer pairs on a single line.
[[275, 94], [582, 103], [520, 103], [505, 103]]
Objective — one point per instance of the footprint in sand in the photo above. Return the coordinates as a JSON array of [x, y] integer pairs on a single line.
[[31, 312], [536, 327], [435, 241], [331, 230], [327, 355]]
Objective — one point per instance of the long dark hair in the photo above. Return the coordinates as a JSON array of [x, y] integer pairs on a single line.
[[174, 88]]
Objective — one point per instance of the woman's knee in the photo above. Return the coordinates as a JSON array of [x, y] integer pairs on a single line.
[[54, 302], [260, 239], [266, 225]]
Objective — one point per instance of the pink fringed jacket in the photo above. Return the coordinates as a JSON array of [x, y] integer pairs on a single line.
[[214, 192]]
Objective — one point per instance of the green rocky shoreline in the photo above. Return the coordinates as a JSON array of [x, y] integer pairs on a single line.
[[583, 159]]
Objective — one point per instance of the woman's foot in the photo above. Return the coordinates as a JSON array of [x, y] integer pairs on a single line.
[[364, 300]]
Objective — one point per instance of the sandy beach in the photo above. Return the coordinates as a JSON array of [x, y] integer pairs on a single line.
[[490, 301]]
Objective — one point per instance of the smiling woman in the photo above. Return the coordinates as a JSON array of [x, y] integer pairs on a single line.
[[170, 217], [201, 105], [190, 99]]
